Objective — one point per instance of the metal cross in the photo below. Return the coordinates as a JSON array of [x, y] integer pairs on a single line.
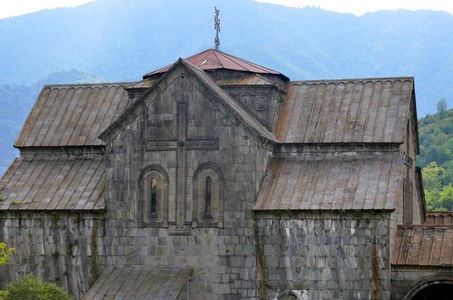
[[217, 28]]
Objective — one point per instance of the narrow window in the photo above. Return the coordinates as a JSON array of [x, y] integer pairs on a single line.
[[153, 196], [208, 196]]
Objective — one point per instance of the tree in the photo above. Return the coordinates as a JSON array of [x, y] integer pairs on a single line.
[[446, 197], [4, 254], [441, 107], [432, 175], [32, 288], [4, 257]]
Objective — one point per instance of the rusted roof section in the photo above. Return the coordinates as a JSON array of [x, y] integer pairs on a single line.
[[138, 282], [345, 111], [72, 115], [213, 59], [423, 245], [332, 182], [439, 218], [253, 79], [54, 183], [146, 83]]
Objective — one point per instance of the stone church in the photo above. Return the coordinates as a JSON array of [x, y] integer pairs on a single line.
[[217, 178]]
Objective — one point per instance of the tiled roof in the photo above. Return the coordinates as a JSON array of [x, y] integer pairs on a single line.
[[213, 59], [72, 115], [140, 282], [423, 245], [439, 218], [345, 111], [54, 183], [333, 182]]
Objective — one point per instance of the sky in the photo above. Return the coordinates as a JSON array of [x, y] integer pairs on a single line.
[[9, 8]]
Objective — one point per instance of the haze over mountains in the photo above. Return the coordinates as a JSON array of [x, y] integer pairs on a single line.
[[121, 40]]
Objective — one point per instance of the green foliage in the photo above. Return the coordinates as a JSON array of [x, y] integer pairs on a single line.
[[32, 288], [441, 107], [4, 257], [436, 158], [4, 254]]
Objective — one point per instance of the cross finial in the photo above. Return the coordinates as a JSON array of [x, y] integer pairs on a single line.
[[217, 28]]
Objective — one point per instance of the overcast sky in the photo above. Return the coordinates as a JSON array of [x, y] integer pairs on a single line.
[[10, 8]]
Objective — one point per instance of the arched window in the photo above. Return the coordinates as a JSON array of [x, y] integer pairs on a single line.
[[207, 196], [153, 197]]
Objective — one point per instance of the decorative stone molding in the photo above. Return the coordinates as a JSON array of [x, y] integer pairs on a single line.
[[157, 216], [207, 191]]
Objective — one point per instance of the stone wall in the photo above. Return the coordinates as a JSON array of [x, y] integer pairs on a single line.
[[324, 255], [64, 248], [408, 280], [221, 252]]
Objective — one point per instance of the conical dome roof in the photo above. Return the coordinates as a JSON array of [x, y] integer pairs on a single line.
[[213, 59]]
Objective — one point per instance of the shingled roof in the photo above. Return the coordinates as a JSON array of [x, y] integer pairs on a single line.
[[139, 282], [332, 182], [54, 183], [346, 111], [72, 115]]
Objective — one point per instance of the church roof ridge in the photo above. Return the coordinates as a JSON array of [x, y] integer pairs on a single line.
[[90, 84], [354, 80]]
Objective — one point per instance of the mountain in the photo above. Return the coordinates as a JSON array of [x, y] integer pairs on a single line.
[[120, 40]]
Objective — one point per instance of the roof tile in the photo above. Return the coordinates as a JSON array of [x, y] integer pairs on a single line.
[[423, 245], [72, 115], [339, 183], [345, 111], [54, 183]]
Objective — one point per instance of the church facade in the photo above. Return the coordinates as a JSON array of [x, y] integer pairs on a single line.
[[216, 178]]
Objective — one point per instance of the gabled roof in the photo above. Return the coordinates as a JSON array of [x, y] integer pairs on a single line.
[[213, 60], [54, 183], [140, 282], [72, 115], [233, 105], [423, 245], [332, 183], [346, 111]]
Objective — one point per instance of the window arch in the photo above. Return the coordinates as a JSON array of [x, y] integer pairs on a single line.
[[207, 195], [153, 197], [292, 294]]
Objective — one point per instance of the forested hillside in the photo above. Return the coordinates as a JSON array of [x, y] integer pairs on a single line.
[[120, 40], [436, 158]]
